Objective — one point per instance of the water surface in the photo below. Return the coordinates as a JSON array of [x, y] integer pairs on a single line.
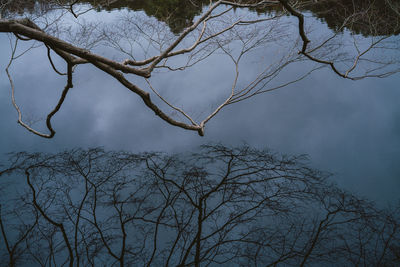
[[350, 128]]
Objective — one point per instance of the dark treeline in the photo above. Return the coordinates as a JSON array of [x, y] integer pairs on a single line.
[[369, 18]]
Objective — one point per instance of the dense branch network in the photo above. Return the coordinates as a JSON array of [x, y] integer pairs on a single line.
[[214, 30], [234, 206]]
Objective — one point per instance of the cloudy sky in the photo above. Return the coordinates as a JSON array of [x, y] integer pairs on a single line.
[[351, 129]]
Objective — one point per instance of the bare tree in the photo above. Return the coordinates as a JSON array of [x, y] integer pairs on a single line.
[[142, 47], [217, 206]]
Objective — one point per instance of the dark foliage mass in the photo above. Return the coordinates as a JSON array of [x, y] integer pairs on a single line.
[[217, 206], [370, 18]]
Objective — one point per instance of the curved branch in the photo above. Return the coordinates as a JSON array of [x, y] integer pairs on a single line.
[[331, 64], [68, 86], [28, 29], [52, 63]]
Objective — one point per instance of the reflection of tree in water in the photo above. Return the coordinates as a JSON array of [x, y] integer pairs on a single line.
[[370, 18], [219, 206], [176, 13], [10, 7]]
